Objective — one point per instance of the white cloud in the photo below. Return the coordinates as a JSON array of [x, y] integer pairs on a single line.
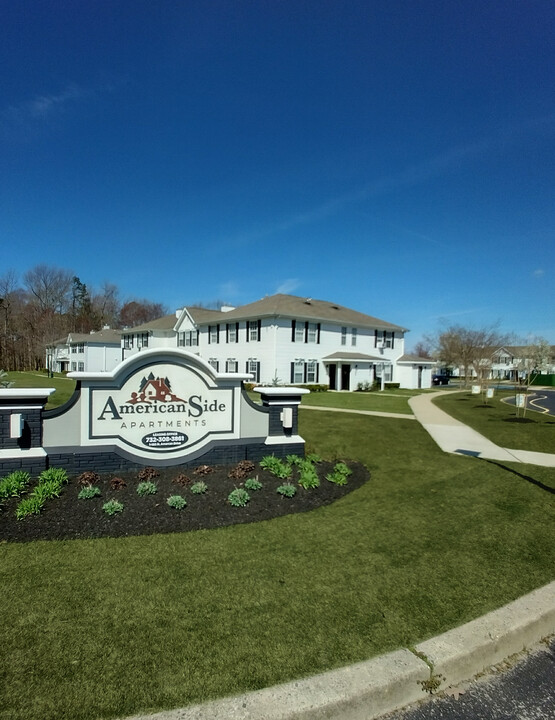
[[538, 273], [287, 286]]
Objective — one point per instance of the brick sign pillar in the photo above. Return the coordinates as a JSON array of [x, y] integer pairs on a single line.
[[21, 429], [283, 404]]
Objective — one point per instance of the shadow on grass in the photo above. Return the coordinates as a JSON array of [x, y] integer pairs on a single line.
[[529, 479], [521, 420]]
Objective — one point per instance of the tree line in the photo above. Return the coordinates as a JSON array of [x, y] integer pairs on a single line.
[[48, 302]]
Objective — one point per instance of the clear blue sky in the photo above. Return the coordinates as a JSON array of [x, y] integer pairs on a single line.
[[395, 157]]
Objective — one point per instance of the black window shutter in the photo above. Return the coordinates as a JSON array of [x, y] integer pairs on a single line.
[[247, 366], [209, 334], [317, 372], [385, 334], [258, 329], [217, 333], [226, 333], [318, 335], [247, 329], [293, 323], [392, 340], [236, 332], [306, 331], [293, 370], [257, 372], [304, 372], [375, 338]]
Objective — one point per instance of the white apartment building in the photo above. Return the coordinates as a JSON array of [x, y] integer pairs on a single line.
[[284, 339], [95, 351]]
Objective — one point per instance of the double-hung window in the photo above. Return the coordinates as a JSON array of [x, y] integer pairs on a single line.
[[213, 334], [189, 338], [253, 367], [253, 330], [215, 364], [128, 342], [232, 332], [298, 371], [142, 340], [343, 335], [231, 365], [312, 332], [312, 371], [353, 336]]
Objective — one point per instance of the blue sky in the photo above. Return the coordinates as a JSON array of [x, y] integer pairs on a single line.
[[394, 157]]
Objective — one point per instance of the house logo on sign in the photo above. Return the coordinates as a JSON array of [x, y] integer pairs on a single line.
[[153, 389]]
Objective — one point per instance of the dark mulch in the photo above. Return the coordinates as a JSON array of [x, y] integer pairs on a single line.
[[67, 517]]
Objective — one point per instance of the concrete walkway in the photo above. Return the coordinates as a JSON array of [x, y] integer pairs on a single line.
[[453, 436]]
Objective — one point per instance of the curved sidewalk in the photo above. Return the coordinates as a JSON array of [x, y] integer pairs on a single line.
[[453, 436]]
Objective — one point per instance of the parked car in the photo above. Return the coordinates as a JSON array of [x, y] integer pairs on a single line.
[[440, 379]]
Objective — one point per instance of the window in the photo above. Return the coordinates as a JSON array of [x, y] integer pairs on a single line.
[[231, 365], [253, 367], [353, 336], [312, 371], [74, 348], [189, 338], [213, 334], [298, 371], [73, 367], [297, 331], [128, 342], [312, 332], [81, 367], [142, 340], [78, 348], [215, 364], [343, 335], [253, 330], [232, 332]]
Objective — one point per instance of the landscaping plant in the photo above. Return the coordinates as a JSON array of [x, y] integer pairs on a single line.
[[146, 488], [238, 497], [29, 506], [112, 507], [253, 484], [14, 484], [199, 488], [287, 490], [89, 492], [177, 502]]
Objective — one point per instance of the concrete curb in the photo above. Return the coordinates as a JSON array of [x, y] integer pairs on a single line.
[[378, 686]]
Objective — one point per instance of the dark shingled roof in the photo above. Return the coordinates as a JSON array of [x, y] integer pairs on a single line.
[[291, 306]]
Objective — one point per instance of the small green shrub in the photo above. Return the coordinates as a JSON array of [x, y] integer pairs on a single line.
[[14, 484], [294, 459], [340, 474], [28, 506], [253, 484], [47, 489], [308, 477], [146, 488], [276, 466], [313, 458], [177, 502], [238, 497], [88, 492], [199, 488], [58, 474], [287, 490], [112, 507], [316, 388]]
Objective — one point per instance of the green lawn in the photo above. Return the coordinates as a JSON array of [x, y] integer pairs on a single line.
[[395, 401], [64, 386], [497, 421], [106, 628]]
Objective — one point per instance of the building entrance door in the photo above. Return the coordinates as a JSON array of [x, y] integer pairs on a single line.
[[332, 369], [345, 377]]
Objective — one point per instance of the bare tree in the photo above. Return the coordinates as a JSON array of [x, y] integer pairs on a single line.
[[423, 349], [470, 349], [535, 359], [106, 305], [50, 287], [136, 312]]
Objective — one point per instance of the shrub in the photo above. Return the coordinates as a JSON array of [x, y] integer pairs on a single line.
[[146, 488], [316, 388], [241, 470], [340, 474], [177, 502], [313, 458], [249, 387], [203, 470], [287, 490], [112, 507], [308, 477], [238, 497], [182, 479], [147, 473], [58, 474], [29, 506], [294, 459], [391, 386], [276, 466], [253, 484], [47, 490], [199, 488], [117, 483], [88, 492], [14, 484], [88, 478]]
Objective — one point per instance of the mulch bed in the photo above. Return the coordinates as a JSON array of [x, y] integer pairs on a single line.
[[67, 517]]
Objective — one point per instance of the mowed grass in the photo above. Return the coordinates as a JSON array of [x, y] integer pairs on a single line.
[[497, 420], [107, 628], [64, 386], [394, 401]]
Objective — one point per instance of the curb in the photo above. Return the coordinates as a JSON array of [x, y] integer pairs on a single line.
[[387, 683]]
